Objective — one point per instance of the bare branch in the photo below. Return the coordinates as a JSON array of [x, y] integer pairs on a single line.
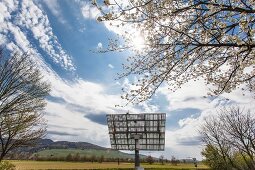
[[22, 97]]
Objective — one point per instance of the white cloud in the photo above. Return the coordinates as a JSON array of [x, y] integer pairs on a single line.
[[69, 121], [99, 46], [111, 66], [88, 10], [183, 141], [29, 18], [149, 108], [130, 31], [55, 10], [191, 95], [92, 98]]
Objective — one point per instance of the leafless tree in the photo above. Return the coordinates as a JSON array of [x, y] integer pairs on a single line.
[[231, 134], [161, 159], [150, 159], [184, 40], [22, 98]]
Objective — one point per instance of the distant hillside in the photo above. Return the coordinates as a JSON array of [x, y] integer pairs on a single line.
[[44, 144], [46, 148], [67, 145]]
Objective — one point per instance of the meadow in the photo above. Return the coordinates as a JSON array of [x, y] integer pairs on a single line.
[[58, 153], [57, 165]]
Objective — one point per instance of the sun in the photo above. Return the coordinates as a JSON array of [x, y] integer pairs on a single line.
[[137, 42]]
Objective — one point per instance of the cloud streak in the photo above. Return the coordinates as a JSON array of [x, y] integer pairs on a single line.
[[55, 9], [24, 25], [88, 10]]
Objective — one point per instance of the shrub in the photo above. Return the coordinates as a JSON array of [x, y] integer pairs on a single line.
[[5, 165]]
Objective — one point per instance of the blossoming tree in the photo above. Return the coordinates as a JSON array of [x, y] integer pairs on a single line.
[[184, 40]]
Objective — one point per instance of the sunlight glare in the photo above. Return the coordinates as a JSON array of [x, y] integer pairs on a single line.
[[138, 42]]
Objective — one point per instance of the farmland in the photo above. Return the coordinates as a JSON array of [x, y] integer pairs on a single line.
[[58, 159], [85, 152], [36, 165]]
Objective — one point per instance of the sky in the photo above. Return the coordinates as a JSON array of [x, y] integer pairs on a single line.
[[62, 37]]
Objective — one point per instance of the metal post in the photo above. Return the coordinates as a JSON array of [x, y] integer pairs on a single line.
[[137, 160]]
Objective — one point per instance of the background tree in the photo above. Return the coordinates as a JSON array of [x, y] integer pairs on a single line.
[[84, 158], [174, 161], [69, 157], [150, 159], [101, 159], [161, 159], [214, 159], [230, 139], [184, 40], [93, 158], [77, 157], [22, 97]]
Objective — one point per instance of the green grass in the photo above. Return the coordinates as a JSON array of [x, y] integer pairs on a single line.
[[55, 165], [87, 152]]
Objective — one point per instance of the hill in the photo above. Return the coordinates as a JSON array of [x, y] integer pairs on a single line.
[[48, 149], [44, 144]]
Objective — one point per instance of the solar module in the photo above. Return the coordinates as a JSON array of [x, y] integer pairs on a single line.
[[147, 128]]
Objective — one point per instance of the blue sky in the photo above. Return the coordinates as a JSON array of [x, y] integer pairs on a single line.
[[62, 37]]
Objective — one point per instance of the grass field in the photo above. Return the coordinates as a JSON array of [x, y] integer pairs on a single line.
[[86, 152], [47, 165]]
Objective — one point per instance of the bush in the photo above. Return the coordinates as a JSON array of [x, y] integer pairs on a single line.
[[150, 159], [5, 165]]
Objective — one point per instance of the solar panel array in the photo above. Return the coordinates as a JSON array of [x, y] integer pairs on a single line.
[[150, 128]]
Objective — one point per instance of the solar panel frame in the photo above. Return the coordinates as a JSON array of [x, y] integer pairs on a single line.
[[150, 127]]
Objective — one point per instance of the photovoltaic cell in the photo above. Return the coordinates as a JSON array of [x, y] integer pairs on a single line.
[[150, 128]]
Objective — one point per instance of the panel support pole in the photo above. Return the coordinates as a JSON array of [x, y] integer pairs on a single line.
[[137, 159]]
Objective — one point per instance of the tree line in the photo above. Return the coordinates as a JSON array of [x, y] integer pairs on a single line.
[[77, 157]]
